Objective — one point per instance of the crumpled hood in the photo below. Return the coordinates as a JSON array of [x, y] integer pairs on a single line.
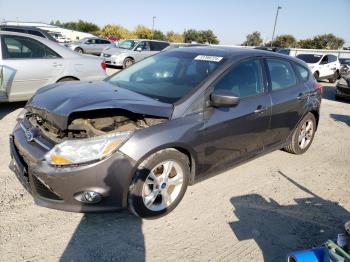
[[57, 102], [115, 51]]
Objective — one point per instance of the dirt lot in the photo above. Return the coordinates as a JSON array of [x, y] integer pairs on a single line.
[[259, 211]]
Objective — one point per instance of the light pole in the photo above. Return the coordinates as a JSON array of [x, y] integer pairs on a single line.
[[274, 27], [153, 20]]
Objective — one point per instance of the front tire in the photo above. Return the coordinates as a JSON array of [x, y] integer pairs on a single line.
[[159, 184], [79, 50], [128, 62], [303, 135]]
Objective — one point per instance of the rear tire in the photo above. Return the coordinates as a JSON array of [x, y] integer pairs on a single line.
[[128, 62], [334, 78], [303, 135], [159, 184], [317, 76]]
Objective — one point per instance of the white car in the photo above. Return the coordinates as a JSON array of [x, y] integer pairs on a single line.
[[29, 62], [322, 66], [131, 51]]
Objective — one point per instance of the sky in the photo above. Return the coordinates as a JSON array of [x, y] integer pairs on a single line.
[[231, 20]]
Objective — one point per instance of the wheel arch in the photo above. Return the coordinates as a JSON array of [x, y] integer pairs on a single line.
[[191, 155]]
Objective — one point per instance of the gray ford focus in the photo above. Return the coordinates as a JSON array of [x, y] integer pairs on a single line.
[[137, 139]]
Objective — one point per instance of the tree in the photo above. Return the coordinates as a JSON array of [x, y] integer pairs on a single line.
[[116, 30], [253, 39], [159, 35], [283, 41], [174, 37], [142, 31], [82, 26], [204, 36], [191, 35], [328, 41], [306, 43], [208, 36]]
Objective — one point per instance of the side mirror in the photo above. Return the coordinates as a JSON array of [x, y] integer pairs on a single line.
[[223, 99], [323, 62], [139, 49]]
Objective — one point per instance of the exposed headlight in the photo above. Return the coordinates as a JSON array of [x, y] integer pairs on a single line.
[[86, 150], [21, 115]]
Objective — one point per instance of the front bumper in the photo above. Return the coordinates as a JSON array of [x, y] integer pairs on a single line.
[[342, 90], [114, 60], [56, 187]]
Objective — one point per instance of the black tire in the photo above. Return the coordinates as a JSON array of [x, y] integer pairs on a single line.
[[128, 62], [79, 50], [337, 97], [294, 146], [135, 200], [334, 78], [317, 76], [68, 78]]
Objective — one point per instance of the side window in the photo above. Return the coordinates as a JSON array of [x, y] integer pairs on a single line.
[[324, 60], [158, 46], [24, 48], [244, 80], [91, 41], [281, 73], [303, 72], [105, 42], [37, 33], [144, 45], [332, 58]]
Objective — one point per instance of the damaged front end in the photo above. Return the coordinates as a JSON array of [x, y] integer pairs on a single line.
[[90, 136], [93, 123]]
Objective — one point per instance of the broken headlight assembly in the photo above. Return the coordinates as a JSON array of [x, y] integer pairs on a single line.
[[86, 150]]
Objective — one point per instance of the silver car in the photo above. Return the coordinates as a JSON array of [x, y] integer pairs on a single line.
[[90, 45], [29, 62], [130, 51]]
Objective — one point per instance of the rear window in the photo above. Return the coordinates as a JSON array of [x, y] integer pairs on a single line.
[[309, 58], [281, 73], [303, 72]]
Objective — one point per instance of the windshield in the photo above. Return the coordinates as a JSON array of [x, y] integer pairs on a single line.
[[344, 61], [310, 59], [168, 76], [127, 44]]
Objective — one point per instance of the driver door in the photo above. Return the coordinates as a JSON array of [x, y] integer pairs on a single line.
[[142, 51], [237, 133]]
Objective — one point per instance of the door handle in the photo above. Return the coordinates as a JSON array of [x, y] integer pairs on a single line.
[[302, 96], [260, 109]]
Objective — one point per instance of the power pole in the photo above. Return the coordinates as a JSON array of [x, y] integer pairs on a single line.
[[153, 21], [274, 27]]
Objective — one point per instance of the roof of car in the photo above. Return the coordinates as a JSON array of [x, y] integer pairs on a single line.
[[231, 52]]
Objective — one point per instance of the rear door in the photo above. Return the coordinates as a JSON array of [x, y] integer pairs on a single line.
[[27, 65], [237, 133], [288, 96]]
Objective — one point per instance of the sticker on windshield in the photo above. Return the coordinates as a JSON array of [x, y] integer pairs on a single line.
[[208, 58]]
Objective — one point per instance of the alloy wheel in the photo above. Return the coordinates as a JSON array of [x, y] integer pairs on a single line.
[[306, 133], [162, 185]]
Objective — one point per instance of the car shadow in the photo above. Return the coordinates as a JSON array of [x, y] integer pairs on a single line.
[[329, 94], [106, 237], [279, 229], [7, 108], [341, 118]]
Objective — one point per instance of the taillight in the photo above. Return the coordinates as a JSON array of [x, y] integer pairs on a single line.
[[318, 87], [104, 66]]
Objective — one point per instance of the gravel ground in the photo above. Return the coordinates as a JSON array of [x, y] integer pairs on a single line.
[[258, 211]]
